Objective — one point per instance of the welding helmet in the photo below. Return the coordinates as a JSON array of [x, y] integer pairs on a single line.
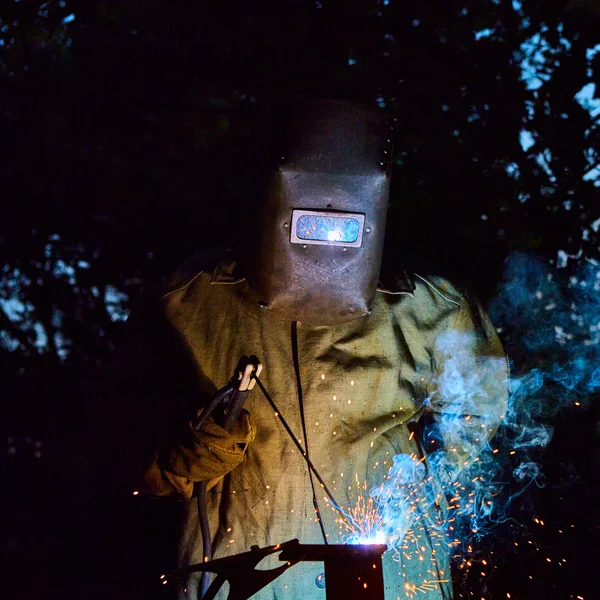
[[318, 256]]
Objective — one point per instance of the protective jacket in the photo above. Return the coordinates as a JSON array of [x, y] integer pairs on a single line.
[[356, 388]]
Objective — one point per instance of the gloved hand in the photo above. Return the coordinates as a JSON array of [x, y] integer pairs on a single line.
[[212, 451], [206, 451], [204, 455]]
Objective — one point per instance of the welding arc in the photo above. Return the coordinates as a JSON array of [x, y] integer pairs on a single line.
[[312, 467]]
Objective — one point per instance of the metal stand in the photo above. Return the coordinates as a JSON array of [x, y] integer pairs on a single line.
[[352, 572]]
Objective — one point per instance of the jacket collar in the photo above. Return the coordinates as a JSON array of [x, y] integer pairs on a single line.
[[226, 271], [396, 283]]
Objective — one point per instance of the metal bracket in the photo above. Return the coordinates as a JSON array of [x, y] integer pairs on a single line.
[[352, 572]]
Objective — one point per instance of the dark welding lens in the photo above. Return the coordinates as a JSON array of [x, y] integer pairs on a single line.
[[326, 228]]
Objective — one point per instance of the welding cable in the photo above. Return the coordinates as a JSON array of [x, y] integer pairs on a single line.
[[206, 541], [220, 397], [312, 467], [303, 421], [225, 408], [234, 399]]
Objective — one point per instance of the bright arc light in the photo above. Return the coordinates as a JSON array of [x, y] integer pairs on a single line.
[[334, 236], [376, 538]]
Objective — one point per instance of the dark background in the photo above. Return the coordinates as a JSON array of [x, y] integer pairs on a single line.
[[128, 131]]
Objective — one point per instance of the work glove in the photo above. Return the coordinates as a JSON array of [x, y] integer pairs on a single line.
[[212, 451], [204, 455], [208, 454], [204, 451]]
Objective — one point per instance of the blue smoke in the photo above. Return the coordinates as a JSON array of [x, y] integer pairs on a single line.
[[469, 410], [550, 324]]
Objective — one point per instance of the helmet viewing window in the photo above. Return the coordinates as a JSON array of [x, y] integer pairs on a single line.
[[327, 228]]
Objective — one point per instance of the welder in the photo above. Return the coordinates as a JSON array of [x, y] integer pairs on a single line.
[[350, 358]]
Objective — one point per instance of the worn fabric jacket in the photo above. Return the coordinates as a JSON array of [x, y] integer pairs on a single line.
[[359, 387]]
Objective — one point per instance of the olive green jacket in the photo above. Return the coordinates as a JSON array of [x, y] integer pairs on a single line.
[[363, 384]]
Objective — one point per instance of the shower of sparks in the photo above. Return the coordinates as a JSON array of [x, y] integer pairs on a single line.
[[405, 513], [387, 513], [420, 519], [365, 523]]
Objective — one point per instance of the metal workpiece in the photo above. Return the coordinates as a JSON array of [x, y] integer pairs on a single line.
[[352, 572]]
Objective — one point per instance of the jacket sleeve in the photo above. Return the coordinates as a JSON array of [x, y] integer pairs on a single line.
[[470, 393]]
